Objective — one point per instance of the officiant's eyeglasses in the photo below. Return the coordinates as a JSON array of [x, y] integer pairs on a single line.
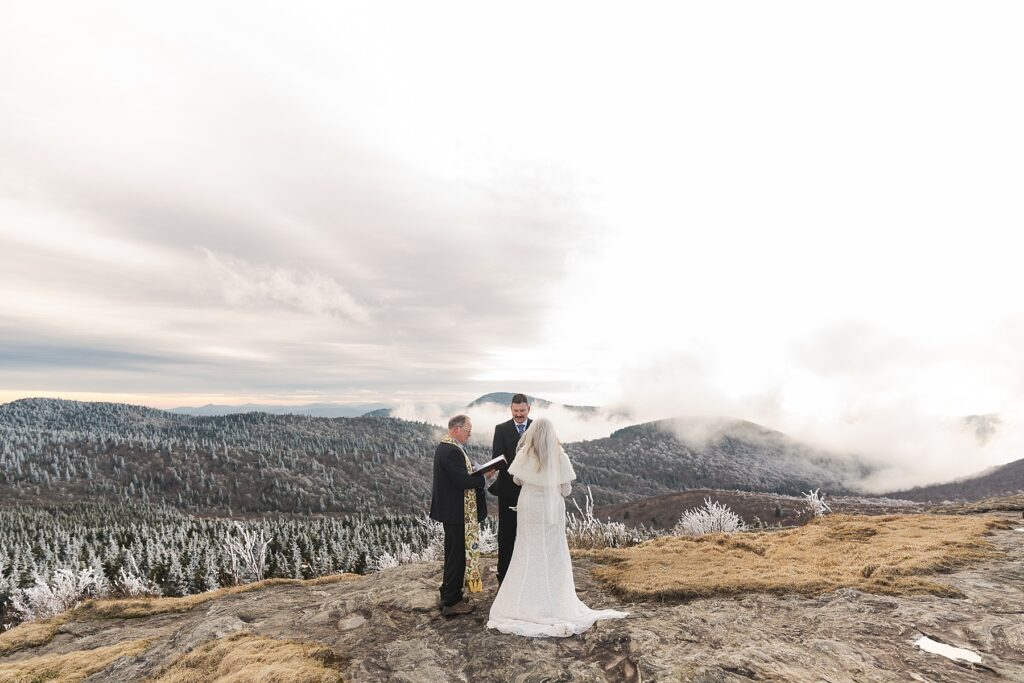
[[468, 430]]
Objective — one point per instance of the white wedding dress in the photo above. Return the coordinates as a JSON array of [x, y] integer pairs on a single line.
[[538, 596]]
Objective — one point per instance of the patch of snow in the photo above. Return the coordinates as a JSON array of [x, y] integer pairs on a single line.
[[948, 651]]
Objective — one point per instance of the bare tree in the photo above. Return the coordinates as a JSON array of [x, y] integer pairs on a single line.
[[816, 504], [713, 518], [248, 548], [66, 588]]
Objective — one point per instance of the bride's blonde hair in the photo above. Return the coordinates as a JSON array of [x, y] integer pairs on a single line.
[[538, 443]]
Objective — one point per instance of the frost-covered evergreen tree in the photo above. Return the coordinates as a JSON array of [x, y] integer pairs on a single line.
[[175, 583], [296, 561]]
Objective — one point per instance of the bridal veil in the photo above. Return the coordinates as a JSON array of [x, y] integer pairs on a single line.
[[540, 461]]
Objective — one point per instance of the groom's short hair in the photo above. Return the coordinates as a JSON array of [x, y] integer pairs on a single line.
[[457, 421], [520, 398]]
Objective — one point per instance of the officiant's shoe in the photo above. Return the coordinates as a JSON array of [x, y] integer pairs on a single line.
[[464, 607], [440, 602]]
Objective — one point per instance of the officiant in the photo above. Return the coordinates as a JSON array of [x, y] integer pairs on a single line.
[[457, 501]]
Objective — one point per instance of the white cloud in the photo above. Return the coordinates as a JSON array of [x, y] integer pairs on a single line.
[[570, 425], [244, 284], [791, 213]]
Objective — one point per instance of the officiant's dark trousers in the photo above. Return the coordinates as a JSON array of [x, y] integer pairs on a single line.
[[506, 536], [454, 563]]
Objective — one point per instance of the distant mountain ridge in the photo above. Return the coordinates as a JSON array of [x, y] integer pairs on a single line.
[[504, 399], [311, 409], [1004, 480]]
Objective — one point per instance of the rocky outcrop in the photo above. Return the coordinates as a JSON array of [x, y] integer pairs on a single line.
[[386, 627]]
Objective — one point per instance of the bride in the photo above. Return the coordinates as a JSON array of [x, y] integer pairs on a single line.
[[538, 595]]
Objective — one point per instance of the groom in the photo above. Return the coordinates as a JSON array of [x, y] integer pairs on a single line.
[[506, 438]]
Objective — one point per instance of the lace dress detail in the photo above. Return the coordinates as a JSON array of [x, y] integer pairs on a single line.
[[538, 596]]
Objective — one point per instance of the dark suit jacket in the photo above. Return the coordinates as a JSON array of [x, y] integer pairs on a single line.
[[506, 438], [450, 481]]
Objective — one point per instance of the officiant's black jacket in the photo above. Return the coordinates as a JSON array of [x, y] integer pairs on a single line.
[[506, 438], [450, 481]]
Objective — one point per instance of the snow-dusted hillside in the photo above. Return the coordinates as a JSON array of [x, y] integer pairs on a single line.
[[255, 463]]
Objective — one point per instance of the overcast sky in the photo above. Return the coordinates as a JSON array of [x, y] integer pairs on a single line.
[[799, 213]]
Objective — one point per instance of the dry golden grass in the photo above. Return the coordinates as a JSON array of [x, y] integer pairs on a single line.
[[70, 667], [891, 555], [245, 658], [31, 634], [129, 608]]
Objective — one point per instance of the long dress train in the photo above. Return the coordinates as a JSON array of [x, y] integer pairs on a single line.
[[538, 595]]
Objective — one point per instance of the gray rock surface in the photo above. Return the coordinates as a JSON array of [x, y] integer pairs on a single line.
[[386, 627]]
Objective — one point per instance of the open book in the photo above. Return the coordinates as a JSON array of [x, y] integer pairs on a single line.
[[490, 465]]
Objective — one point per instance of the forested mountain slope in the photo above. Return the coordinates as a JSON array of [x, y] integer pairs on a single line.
[[255, 463]]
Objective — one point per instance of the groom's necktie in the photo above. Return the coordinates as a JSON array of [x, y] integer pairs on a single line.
[[521, 428]]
